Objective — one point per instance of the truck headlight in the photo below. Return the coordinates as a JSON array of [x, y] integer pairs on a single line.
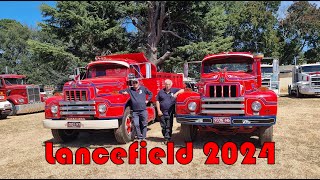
[[192, 106], [21, 100], [1, 97], [256, 106], [54, 109], [102, 108]]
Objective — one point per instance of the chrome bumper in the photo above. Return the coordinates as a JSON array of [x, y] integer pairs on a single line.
[[5, 107], [84, 124], [309, 90], [30, 108]]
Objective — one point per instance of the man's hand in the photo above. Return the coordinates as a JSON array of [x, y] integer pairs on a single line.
[[160, 113], [175, 95], [124, 92], [147, 101]]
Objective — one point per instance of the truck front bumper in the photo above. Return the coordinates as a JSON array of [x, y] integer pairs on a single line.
[[5, 107], [83, 124], [30, 108], [309, 90], [231, 121]]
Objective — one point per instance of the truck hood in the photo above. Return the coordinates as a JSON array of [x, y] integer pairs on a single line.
[[19, 86], [228, 77], [98, 85]]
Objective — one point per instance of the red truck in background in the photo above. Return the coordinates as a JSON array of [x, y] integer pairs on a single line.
[[229, 99], [24, 98], [93, 102]]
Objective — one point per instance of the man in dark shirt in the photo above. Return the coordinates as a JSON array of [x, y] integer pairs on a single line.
[[165, 103], [138, 105]]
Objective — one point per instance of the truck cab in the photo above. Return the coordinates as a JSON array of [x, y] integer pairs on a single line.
[[230, 99], [270, 74], [24, 98], [92, 100], [305, 80]]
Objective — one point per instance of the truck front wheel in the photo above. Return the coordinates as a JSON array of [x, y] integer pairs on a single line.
[[265, 134], [14, 111], [64, 135], [189, 132], [125, 132], [298, 94]]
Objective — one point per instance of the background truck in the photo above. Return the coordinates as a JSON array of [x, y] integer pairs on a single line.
[[92, 101], [24, 98], [270, 74], [305, 80], [5, 106], [230, 99]]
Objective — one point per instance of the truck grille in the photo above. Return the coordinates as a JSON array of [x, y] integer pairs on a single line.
[[33, 93], [266, 82], [76, 95], [223, 105], [315, 82], [77, 108], [223, 91]]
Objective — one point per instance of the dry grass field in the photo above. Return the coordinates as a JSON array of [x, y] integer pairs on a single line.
[[296, 137]]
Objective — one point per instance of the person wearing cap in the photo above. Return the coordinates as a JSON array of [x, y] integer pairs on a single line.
[[165, 104], [139, 107]]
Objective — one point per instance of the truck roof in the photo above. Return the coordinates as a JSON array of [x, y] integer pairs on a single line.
[[130, 58], [12, 76], [225, 54]]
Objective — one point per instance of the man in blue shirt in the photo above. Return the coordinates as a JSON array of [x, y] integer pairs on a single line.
[[138, 105], [165, 103]]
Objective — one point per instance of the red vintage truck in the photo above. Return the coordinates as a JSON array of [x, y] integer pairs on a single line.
[[94, 103], [230, 99], [24, 98]]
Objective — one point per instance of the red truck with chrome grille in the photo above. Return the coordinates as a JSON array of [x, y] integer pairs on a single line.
[[229, 99], [94, 103]]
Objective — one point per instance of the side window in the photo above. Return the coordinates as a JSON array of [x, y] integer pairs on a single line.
[[135, 69], [1, 83]]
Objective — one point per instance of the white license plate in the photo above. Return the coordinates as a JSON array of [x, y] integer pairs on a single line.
[[74, 124], [221, 120]]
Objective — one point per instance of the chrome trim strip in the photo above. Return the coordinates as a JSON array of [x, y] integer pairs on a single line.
[[76, 102], [237, 99], [77, 108], [222, 105], [223, 111], [77, 113]]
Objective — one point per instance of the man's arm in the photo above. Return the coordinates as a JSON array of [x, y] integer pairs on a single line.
[[147, 91], [123, 91], [178, 92], [158, 108]]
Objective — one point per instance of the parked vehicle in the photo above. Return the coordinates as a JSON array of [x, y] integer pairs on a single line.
[[94, 103], [270, 74], [230, 99], [305, 80], [5, 106], [24, 98]]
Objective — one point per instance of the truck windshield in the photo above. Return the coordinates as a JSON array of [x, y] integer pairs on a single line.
[[315, 68], [266, 69], [230, 67], [110, 70], [15, 81]]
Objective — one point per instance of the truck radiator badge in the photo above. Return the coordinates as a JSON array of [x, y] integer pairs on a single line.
[[222, 80]]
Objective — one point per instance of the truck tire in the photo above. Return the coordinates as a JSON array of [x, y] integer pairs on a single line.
[[189, 132], [64, 135], [3, 116], [14, 111], [126, 131], [265, 134], [298, 94], [289, 90]]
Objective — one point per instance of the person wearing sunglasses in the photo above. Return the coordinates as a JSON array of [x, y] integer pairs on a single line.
[[138, 94]]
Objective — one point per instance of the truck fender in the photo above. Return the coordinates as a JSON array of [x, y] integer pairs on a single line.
[[14, 99]]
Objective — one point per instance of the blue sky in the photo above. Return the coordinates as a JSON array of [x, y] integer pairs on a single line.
[[28, 12]]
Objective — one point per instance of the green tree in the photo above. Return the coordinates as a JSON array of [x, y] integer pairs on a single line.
[[87, 28]]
